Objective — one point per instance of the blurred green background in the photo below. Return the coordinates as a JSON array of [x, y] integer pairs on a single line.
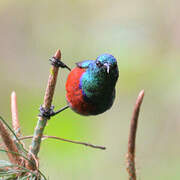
[[143, 35]]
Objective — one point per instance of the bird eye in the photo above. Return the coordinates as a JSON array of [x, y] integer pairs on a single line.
[[114, 66], [99, 64]]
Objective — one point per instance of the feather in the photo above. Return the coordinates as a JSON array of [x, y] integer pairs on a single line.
[[84, 64]]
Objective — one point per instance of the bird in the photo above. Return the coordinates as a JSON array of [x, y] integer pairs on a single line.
[[90, 86]]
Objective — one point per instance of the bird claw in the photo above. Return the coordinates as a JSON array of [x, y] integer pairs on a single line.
[[58, 63], [46, 113]]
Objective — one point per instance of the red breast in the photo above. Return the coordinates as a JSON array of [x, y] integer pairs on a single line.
[[74, 94]]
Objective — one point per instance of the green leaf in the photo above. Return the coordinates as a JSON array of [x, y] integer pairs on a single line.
[[4, 163], [25, 177]]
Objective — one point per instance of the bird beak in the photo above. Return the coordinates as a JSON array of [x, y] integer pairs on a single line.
[[107, 67]]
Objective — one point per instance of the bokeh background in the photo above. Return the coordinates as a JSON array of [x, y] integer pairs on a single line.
[[144, 36]]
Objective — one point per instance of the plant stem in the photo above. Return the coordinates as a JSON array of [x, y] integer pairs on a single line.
[[14, 112], [66, 140], [36, 141], [9, 144], [132, 138]]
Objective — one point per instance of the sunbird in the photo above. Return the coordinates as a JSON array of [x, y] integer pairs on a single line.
[[90, 86]]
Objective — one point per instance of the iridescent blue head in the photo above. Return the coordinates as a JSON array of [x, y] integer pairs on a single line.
[[103, 68], [106, 61]]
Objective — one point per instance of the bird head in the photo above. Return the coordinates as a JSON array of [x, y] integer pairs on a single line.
[[106, 62]]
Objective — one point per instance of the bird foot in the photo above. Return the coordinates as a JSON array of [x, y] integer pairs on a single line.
[[58, 63], [46, 113]]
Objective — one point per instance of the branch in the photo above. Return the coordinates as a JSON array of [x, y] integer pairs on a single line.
[[36, 141], [132, 138], [9, 144], [14, 112], [66, 140]]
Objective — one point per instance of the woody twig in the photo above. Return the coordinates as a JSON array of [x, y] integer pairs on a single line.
[[66, 140]]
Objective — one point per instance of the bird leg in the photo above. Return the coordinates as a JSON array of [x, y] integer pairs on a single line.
[[60, 110], [57, 63], [49, 113]]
